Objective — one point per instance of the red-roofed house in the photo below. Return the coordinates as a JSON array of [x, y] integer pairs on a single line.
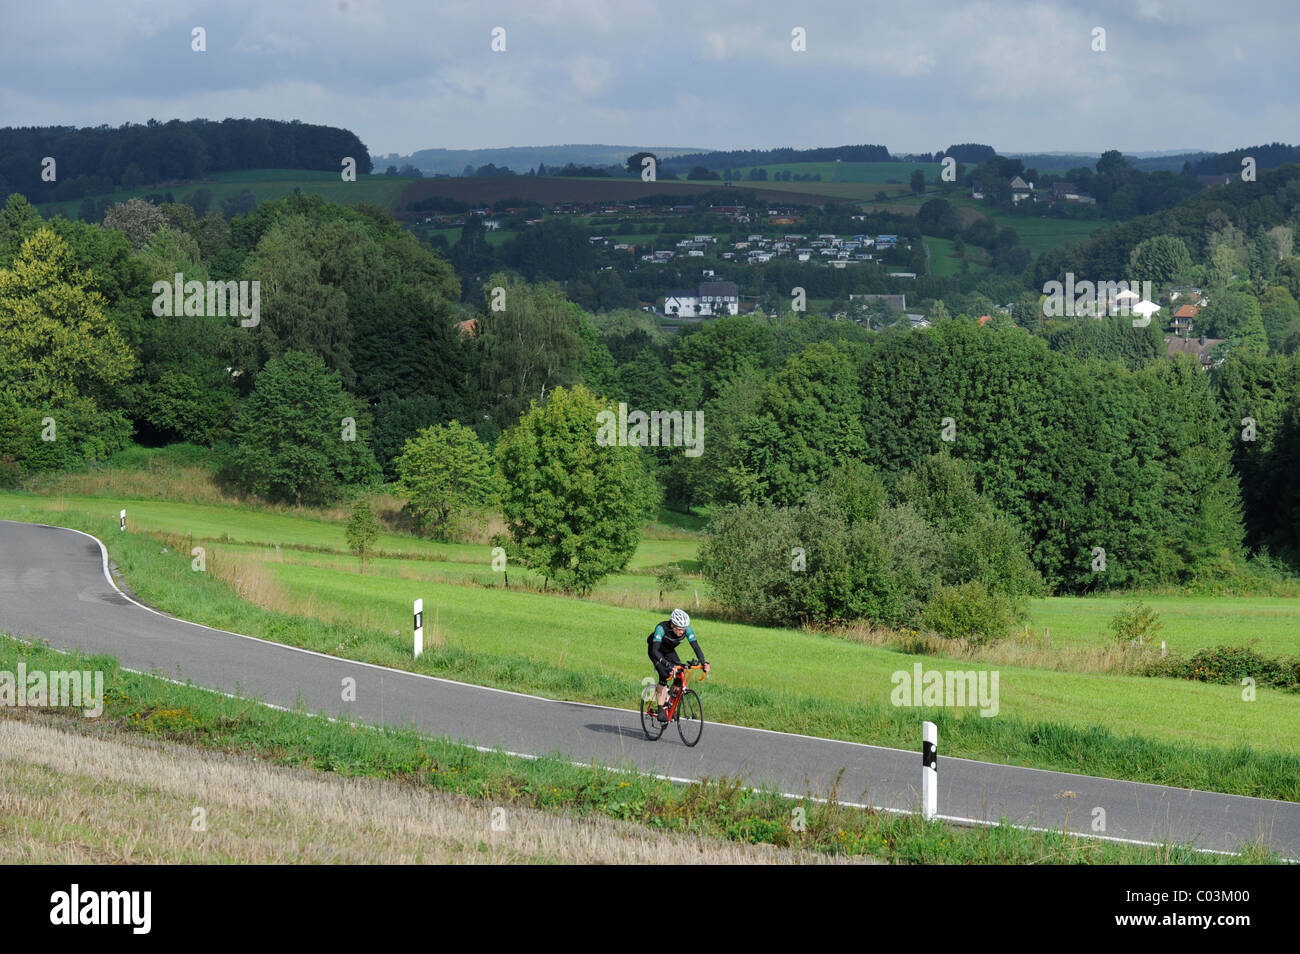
[[1182, 323]]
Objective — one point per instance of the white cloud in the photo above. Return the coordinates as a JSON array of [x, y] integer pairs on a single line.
[[406, 74], [715, 44], [271, 44], [590, 74]]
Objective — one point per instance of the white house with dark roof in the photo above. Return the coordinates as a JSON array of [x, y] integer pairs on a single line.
[[708, 300], [1020, 189], [682, 302], [720, 297]]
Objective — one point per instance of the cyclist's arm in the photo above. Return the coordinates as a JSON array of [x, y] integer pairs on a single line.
[[695, 645], [656, 645]]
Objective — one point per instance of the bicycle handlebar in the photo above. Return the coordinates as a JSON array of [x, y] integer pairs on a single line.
[[684, 667]]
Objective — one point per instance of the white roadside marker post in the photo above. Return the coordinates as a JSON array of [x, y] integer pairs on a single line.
[[122, 517], [419, 627], [929, 770]]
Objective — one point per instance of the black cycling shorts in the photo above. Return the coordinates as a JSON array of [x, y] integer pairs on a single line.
[[664, 665]]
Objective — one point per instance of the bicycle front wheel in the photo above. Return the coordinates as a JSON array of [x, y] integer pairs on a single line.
[[690, 717]]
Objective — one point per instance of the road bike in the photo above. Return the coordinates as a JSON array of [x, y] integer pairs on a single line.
[[683, 705]]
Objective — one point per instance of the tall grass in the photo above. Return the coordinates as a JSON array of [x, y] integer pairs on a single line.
[[186, 474], [1030, 648]]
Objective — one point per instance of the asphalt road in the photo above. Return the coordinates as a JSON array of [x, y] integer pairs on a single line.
[[55, 586]]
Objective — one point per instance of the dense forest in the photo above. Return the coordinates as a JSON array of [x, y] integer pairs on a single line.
[[735, 158], [91, 161], [1266, 157]]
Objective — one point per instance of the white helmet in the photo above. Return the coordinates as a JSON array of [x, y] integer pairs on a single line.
[[679, 618]]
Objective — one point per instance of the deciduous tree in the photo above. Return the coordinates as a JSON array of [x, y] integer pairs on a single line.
[[574, 508]]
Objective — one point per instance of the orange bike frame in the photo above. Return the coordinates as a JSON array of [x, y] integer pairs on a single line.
[[677, 685]]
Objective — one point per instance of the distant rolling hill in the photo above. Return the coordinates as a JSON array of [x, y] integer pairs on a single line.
[[547, 190], [522, 158]]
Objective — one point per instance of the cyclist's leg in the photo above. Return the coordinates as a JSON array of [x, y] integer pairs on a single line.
[[661, 671], [663, 667]]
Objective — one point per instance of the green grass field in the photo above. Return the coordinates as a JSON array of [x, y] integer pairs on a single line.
[[943, 261], [452, 235], [264, 184], [1038, 235], [834, 671], [1190, 622], [593, 651], [259, 532]]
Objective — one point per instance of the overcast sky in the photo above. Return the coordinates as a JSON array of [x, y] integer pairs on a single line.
[[913, 76]]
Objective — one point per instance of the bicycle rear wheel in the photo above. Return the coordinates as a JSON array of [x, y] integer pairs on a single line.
[[650, 723], [690, 717]]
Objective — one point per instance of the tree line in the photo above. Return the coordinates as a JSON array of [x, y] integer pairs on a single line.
[[1073, 452], [96, 160]]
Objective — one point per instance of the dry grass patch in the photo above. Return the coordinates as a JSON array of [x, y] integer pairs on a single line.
[[1027, 648], [172, 482], [70, 798]]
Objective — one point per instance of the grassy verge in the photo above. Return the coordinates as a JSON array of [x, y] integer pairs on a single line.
[[840, 690], [144, 706]]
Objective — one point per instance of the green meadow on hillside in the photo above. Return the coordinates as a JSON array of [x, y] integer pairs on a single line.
[[593, 650]]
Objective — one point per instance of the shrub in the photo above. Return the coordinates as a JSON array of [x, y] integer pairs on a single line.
[[865, 559], [747, 557], [1135, 623], [1230, 664], [668, 578], [362, 530], [44, 437], [970, 612]]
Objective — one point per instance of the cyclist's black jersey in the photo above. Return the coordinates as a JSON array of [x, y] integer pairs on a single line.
[[664, 641]]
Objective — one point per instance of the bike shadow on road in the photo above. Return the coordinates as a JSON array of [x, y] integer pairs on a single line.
[[625, 731]]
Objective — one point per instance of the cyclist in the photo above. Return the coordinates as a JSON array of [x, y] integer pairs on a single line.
[[663, 643]]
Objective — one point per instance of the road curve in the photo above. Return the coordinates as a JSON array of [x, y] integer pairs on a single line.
[[55, 585]]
